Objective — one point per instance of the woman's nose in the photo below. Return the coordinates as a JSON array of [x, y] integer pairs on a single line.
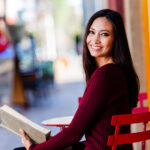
[[96, 39]]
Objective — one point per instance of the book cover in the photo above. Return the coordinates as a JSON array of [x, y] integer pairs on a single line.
[[13, 121]]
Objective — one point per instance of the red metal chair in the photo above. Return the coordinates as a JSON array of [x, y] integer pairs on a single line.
[[141, 108], [141, 97], [118, 120]]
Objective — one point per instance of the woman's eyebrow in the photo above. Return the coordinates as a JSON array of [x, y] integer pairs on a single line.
[[102, 30], [105, 30], [92, 28]]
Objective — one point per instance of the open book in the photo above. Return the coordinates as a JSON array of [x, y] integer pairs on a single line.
[[13, 121]]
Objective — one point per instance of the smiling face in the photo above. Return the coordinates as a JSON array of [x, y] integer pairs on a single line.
[[100, 40]]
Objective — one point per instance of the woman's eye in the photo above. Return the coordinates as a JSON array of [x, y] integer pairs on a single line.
[[104, 34], [91, 32]]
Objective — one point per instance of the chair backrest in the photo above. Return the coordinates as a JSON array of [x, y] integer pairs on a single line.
[[79, 99], [118, 120], [141, 97]]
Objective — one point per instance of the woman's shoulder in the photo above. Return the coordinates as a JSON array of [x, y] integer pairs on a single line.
[[109, 68], [108, 72]]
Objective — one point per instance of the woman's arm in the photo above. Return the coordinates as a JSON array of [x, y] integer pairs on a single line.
[[93, 101]]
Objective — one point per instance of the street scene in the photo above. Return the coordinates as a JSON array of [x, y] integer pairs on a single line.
[[46, 57]]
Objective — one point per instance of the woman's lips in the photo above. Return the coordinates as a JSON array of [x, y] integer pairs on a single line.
[[96, 47]]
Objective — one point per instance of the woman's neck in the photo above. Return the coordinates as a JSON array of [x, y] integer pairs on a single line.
[[103, 61]]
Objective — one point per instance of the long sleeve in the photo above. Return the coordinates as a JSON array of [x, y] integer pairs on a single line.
[[94, 102]]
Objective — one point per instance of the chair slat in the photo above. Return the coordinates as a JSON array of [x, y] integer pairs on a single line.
[[129, 119], [128, 138]]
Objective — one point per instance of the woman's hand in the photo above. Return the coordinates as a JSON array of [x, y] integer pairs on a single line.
[[25, 140]]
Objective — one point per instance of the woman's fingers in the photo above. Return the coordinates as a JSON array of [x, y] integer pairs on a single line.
[[22, 132], [25, 140]]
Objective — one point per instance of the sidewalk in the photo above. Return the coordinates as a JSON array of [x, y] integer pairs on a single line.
[[62, 100]]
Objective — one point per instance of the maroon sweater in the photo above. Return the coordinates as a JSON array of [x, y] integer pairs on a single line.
[[106, 94]]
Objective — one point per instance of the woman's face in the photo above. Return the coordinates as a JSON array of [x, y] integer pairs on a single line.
[[100, 38]]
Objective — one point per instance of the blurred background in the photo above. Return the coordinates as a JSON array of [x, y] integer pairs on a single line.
[[41, 73]]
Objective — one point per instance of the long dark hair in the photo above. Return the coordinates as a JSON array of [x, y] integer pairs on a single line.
[[120, 53]]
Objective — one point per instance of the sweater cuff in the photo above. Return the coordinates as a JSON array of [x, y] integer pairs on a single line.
[[32, 146]]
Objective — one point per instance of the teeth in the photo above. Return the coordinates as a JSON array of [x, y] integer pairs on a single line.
[[96, 47]]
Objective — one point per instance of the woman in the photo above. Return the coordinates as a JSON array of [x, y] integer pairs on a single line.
[[112, 87]]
